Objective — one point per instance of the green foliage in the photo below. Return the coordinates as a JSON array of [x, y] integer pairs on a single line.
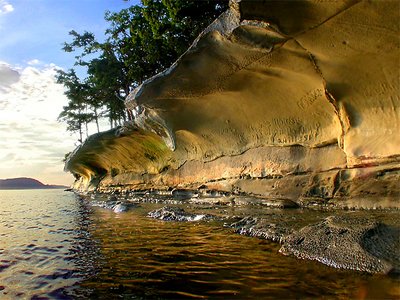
[[141, 41], [149, 38], [66, 157], [73, 114]]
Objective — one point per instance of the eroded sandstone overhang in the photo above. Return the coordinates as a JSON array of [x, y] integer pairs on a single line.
[[275, 98]]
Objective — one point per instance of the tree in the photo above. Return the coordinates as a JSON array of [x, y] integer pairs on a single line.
[[73, 113], [141, 41], [149, 38], [106, 77]]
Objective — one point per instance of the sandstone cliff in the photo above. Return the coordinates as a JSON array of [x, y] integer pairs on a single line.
[[279, 99]]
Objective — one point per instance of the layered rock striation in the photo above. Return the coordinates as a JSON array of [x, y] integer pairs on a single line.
[[281, 99]]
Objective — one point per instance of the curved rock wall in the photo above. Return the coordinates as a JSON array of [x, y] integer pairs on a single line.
[[285, 99]]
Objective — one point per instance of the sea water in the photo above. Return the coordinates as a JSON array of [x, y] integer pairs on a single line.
[[55, 245], [45, 245]]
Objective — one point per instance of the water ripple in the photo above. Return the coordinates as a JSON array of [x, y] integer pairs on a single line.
[[54, 245], [42, 238]]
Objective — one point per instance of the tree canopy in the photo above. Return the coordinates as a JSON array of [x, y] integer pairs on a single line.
[[141, 41]]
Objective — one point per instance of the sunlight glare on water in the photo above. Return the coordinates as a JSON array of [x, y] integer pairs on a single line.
[[43, 243]]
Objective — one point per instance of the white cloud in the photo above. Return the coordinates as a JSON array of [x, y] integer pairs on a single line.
[[8, 76], [32, 141], [33, 62], [5, 7]]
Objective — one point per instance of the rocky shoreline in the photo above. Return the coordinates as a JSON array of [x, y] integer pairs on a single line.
[[284, 111], [366, 240]]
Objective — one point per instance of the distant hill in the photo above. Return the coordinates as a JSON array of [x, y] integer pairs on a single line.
[[25, 183]]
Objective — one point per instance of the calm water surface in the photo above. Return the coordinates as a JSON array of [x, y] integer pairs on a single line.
[[54, 245]]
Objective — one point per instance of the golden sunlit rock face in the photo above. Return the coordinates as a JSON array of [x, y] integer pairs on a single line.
[[285, 99]]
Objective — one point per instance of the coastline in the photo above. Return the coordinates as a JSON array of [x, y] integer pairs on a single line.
[[264, 111], [364, 239]]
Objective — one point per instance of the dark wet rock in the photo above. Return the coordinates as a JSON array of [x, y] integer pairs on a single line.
[[348, 242], [158, 193], [115, 205], [211, 193], [184, 194], [216, 198], [267, 202], [113, 198], [109, 204], [166, 199], [171, 213], [214, 201], [279, 203], [261, 228], [123, 207]]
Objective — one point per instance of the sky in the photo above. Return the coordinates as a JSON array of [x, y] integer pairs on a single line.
[[32, 32]]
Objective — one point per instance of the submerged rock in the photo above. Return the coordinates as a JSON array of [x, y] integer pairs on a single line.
[[261, 228], [347, 242], [173, 213]]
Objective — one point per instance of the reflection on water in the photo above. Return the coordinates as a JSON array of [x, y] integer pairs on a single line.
[[45, 245], [149, 258], [54, 245]]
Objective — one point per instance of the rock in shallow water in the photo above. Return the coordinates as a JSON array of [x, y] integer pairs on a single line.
[[170, 213], [261, 228], [348, 243], [182, 194], [115, 205], [120, 208], [342, 241]]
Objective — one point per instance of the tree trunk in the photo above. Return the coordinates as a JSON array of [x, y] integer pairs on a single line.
[[80, 133], [96, 118], [87, 129]]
